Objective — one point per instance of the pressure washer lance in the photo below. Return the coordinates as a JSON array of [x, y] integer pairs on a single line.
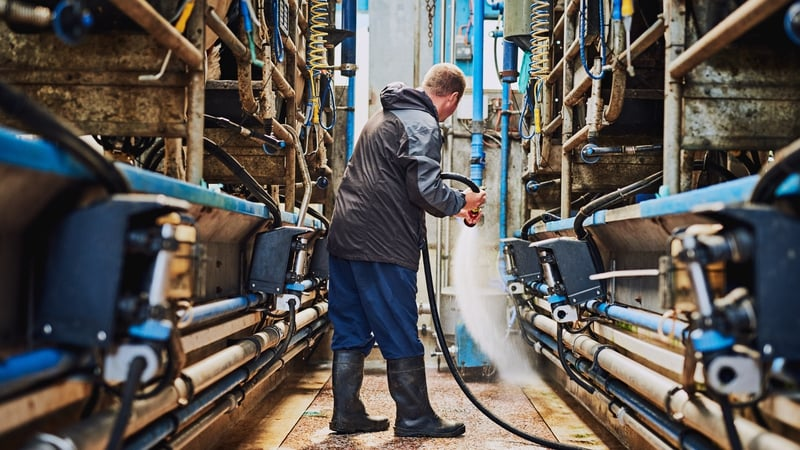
[[472, 215]]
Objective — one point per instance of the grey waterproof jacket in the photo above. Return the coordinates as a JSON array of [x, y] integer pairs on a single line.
[[391, 180]]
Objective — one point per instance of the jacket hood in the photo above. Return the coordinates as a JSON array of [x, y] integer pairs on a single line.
[[399, 96]]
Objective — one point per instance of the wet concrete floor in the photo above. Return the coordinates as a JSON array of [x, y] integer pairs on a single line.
[[296, 416]]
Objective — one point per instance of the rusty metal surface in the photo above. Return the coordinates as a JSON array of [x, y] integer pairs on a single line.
[[613, 171], [95, 84], [747, 97]]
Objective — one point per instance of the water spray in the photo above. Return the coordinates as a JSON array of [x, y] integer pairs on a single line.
[[437, 324]]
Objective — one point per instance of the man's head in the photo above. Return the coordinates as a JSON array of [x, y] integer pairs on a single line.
[[444, 83]]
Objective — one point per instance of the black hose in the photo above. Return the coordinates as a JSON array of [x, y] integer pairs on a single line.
[[261, 138], [135, 370], [562, 357], [426, 262], [252, 185], [609, 199], [153, 155], [284, 345], [550, 213], [526, 227], [730, 427], [754, 156], [458, 177], [787, 162], [714, 167], [752, 166], [51, 128]]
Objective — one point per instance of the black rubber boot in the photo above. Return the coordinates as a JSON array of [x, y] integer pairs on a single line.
[[409, 389], [349, 414]]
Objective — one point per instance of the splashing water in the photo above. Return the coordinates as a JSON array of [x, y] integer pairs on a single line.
[[483, 309]]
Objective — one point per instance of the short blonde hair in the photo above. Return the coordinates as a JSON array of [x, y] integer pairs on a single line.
[[445, 78]]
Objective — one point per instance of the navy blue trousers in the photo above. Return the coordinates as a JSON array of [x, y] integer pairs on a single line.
[[370, 301]]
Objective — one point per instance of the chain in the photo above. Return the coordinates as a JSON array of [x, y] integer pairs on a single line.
[[430, 5]]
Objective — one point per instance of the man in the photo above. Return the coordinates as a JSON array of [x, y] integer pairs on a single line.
[[378, 228]]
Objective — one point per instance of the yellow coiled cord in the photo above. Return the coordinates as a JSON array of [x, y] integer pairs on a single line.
[[540, 39], [539, 68], [317, 54]]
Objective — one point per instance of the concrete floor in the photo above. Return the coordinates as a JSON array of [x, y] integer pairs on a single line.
[[296, 416]]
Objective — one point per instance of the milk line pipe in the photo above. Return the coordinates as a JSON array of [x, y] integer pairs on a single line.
[[193, 430], [20, 371], [238, 395], [233, 398], [93, 433], [670, 429], [209, 312], [698, 412], [639, 318], [171, 422], [227, 359]]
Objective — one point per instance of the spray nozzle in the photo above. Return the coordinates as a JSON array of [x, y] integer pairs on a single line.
[[472, 217]]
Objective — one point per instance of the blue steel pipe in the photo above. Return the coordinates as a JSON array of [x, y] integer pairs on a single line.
[[639, 318], [349, 9], [509, 76], [477, 156], [211, 311], [351, 117], [20, 371], [349, 43], [302, 286]]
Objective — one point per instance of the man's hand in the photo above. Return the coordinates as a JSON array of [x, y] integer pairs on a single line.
[[475, 200], [471, 213]]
